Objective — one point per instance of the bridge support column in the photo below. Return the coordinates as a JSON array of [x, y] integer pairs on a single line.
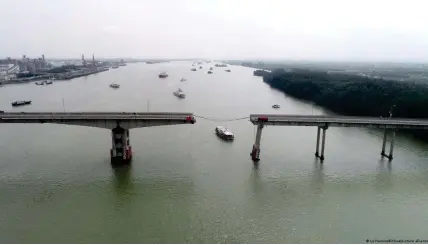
[[324, 131], [318, 142], [391, 147], [121, 152], [385, 134], [255, 153]]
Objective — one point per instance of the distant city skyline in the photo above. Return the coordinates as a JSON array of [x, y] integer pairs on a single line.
[[305, 30]]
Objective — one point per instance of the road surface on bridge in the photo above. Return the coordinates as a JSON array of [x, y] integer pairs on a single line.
[[94, 115], [339, 121], [108, 120]]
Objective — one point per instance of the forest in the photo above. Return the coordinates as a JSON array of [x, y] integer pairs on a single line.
[[353, 95]]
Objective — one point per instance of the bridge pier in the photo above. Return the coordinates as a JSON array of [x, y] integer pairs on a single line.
[[318, 142], [255, 153], [391, 147], [385, 135], [324, 131], [121, 152]]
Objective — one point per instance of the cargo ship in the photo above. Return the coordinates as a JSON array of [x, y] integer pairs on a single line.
[[180, 94], [21, 102], [224, 133], [163, 75]]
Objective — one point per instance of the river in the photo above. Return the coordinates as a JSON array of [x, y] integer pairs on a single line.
[[186, 185]]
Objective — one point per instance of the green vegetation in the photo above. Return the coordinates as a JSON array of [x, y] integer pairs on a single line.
[[354, 95], [260, 73]]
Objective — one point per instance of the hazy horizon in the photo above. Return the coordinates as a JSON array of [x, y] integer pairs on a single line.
[[330, 30]]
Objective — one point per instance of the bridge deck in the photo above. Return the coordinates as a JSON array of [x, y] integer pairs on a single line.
[[100, 119], [339, 121], [94, 115]]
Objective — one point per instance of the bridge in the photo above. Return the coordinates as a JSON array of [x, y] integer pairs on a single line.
[[118, 122], [390, 125]]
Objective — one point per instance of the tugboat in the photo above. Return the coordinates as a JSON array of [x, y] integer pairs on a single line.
[[163, 75], [210, 72], [114, 85], [276, 106], [193, 69], [228, 70], [21, 102], [179, 93], [224, 133]]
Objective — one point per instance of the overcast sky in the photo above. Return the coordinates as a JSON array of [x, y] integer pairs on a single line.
[[375, 30]]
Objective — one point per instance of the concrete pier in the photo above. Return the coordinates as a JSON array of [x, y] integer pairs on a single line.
[[390, 156], [318, 142], [324, 131], [255, 153], [385, 135], [121, 151], [391, 147]]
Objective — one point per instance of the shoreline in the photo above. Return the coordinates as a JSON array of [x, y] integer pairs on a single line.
[[56, 76]]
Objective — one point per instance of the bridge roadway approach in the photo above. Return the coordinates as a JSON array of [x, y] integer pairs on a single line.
[[118, 122], [390, 125]]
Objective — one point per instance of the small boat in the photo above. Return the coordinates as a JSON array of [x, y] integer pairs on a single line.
[[276, 106], [49, 82], [40, 83], [210, 72], [179, 93], [163, 75], [21, 102], [228, 70], [183, 79], [224, 133], [211, 68], [200, 67], [193, 69], [114, 85]]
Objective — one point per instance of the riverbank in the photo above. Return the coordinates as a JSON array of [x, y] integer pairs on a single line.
[[57, 76]]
